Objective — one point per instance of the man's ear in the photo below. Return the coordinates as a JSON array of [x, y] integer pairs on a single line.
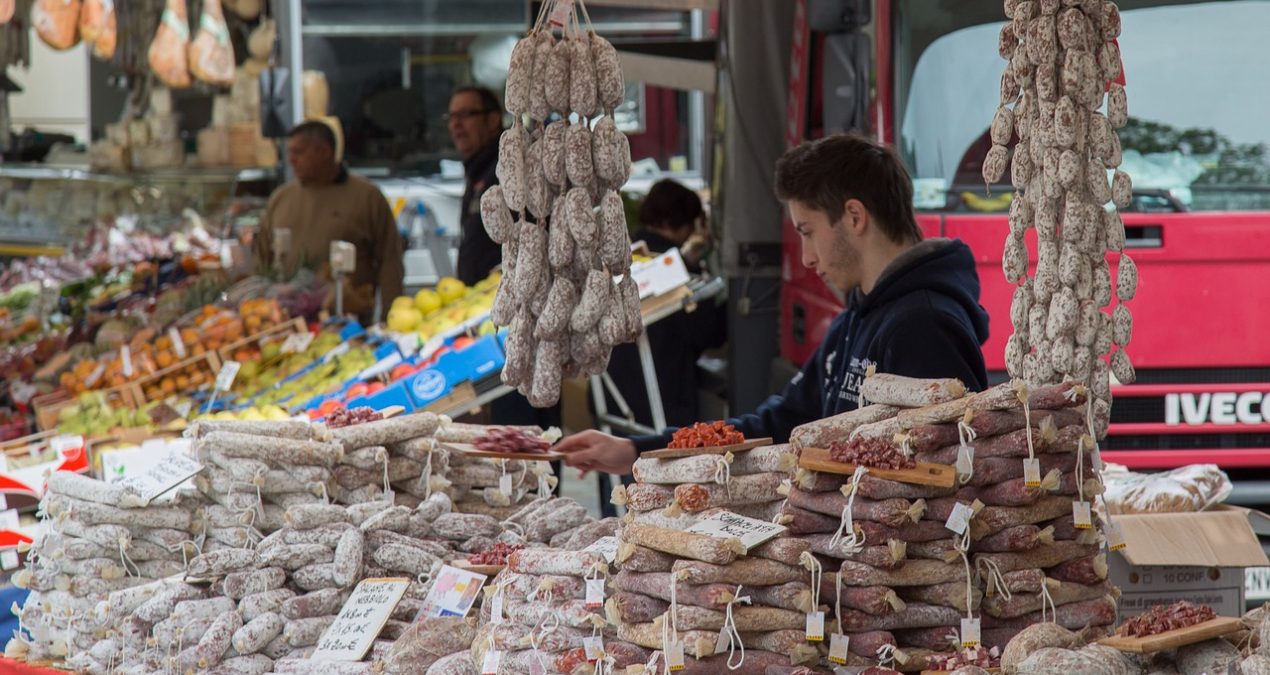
[[856, 217]]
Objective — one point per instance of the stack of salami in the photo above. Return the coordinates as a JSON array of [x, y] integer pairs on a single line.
[[674, 583], [99, 543], [387, 455], [537, 610], [903, 573]]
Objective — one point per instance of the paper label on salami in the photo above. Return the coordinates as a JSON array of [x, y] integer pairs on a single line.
[[594, 647], [536, 666], [125, 358], [728, 525], [965, 460], [1095, 459], [838, 648], [969, 633], [815, 626], [489, 665], [225, 378], [178, 345], [605, 546], [496, 607], [959, 519], [360, 619], [1115, 536], [722, 642], [544, 491], [594, 593], [505, 485], [1032, 472], [1081, 514], [675, 655]]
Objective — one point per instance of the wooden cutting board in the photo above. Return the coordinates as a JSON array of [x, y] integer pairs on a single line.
[[488, 570], [471, 451], [1222, 625], [937, 475], [678, 453]]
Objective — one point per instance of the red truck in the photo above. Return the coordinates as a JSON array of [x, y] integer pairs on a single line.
[[923, 75]]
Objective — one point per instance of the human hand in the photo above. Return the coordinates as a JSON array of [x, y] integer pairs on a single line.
[[597, 451]]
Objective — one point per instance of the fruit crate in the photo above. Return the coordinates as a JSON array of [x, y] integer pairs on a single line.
[[184, 377], [276, 333], [48, 407]]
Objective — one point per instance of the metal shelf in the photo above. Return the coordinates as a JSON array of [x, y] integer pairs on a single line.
[[71, 172]]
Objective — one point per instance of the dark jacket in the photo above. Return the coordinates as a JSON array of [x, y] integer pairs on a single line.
[[676, 343], [478, 254], [923, 319]]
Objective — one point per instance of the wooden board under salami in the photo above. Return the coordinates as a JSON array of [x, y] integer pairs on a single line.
[[471, 451], [937, 475], [676, 453], [1222, 625]]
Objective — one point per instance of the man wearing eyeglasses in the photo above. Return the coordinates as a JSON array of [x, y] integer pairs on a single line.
[[475, 120]]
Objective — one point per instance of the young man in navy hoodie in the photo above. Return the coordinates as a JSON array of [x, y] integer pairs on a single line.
[[912, 305]]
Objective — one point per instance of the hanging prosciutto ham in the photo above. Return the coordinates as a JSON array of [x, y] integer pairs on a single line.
[[211, 54], [167, 54], [57, 22]]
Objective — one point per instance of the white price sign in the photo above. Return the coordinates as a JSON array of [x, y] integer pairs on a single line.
[[125, 356], [296, 342], [605, 546], [343, 257], [162, 476], [225, 378], [360, 620], [178, 345], [727, 525]]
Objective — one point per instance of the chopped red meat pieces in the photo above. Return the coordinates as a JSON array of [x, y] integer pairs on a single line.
[[1164, 618], [875, 453]]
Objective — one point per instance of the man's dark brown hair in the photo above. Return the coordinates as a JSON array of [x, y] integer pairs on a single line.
[[824, 174]]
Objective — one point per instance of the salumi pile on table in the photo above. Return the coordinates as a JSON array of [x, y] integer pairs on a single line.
[[243, 574]]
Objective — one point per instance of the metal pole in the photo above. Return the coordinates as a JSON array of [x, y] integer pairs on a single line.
[[696, 104], [295, 53], [650, 382]]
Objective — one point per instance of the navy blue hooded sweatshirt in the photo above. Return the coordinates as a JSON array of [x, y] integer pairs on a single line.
[[923, 319]]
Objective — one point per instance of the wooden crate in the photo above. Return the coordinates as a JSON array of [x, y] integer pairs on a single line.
[[48, 406], [280, 331], [207, 363]]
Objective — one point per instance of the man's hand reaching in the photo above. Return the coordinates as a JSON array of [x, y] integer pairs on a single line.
[[597, 451]]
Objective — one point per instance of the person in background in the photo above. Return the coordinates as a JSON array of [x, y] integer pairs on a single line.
[[671, 216], [912, 305], [323, 204], [475, 120]]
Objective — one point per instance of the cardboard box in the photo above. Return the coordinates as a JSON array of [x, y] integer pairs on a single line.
[[1198, 557]]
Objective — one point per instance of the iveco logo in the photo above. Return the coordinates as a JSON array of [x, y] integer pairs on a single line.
[[1251, 407]]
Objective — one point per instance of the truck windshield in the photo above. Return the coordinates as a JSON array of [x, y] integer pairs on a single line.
[[1197, 83]]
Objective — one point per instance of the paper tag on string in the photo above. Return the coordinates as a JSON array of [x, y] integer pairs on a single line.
[[178, 345], [544, 488], [489, 666], [838, 648], [535, 665], [1032, 473], [1080, 513], [965, 463], [1095, 459], [594, 647], [675, 655], [1115, 536], [125, 358], [505, 484], [722, 643], [496, 607], [959, 519], [560, 14], [969, 633], [815, 626], [594, 593]]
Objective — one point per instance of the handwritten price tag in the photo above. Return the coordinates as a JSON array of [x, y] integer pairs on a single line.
[[296, 343], [163, 476], [360, 620], [225, 378], [727, 525]]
